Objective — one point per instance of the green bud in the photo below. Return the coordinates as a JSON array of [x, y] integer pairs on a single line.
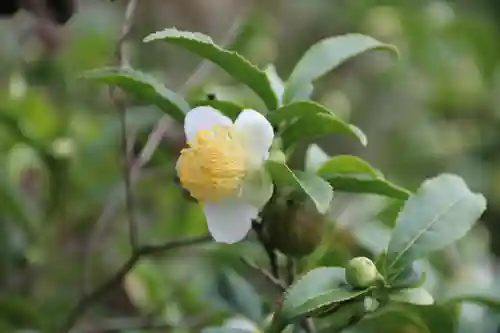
[[361, 272], [294, 229]]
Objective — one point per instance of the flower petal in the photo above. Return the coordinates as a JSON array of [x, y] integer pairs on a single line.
[[257, 188], [230, 219], [203, 117], [256, 132]]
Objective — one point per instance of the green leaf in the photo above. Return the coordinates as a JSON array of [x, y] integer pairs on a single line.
[[240, 296], [143, 88], [230, 61], [311, 119], [317, 189], [318, 289], [348, 173], [417, 296], [326, 55], [411, 276], [230, 109], [439, 213]]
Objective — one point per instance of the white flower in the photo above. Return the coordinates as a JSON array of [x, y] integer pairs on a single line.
[[223, 168]]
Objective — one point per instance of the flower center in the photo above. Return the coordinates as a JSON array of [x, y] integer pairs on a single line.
[[214, 164]]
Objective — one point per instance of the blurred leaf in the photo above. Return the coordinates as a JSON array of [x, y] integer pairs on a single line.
[[352, 174], [317, 189], [417, 296], [20, 312], [488, 301], [311, 119], [142, 87], [240, 296], [224, 330], [230, 61], [315, 157], [277, 83], [325, 56], [439, 213], [395, 316], [230, 109]]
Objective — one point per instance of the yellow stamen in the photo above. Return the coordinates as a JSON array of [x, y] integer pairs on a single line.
[[214, 164]]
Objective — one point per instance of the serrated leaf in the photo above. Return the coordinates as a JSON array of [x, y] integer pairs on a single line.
[[442, 211], [311, 119], [319, 288], [348, 173], [314, 187], [315, 157], [143, 88], [325, 56], [230, 109], [417, 296], [230, 61]]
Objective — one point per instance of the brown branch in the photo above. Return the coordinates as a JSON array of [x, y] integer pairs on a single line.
[[102, 290], [269, 276], [161, 129]]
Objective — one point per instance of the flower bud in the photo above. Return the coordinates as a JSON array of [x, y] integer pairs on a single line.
[[295, 229], [361, 272]]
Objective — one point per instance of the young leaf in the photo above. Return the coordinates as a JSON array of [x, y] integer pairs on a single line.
[[311, 119], [230, 61], [417, 296], [439, 213], [143, 88], [316, 188], [326, 55], [320, 288], [230, 109], [352, 174]]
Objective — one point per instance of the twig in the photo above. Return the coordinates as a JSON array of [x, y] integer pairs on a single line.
[[122, 58], [147, 250], [270, 277], [155, 137]]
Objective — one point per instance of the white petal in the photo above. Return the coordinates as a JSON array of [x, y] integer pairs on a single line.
[[256, 132], [203, 117], [229, 220]]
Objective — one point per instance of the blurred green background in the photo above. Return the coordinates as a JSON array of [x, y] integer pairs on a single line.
[[436, 110]]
